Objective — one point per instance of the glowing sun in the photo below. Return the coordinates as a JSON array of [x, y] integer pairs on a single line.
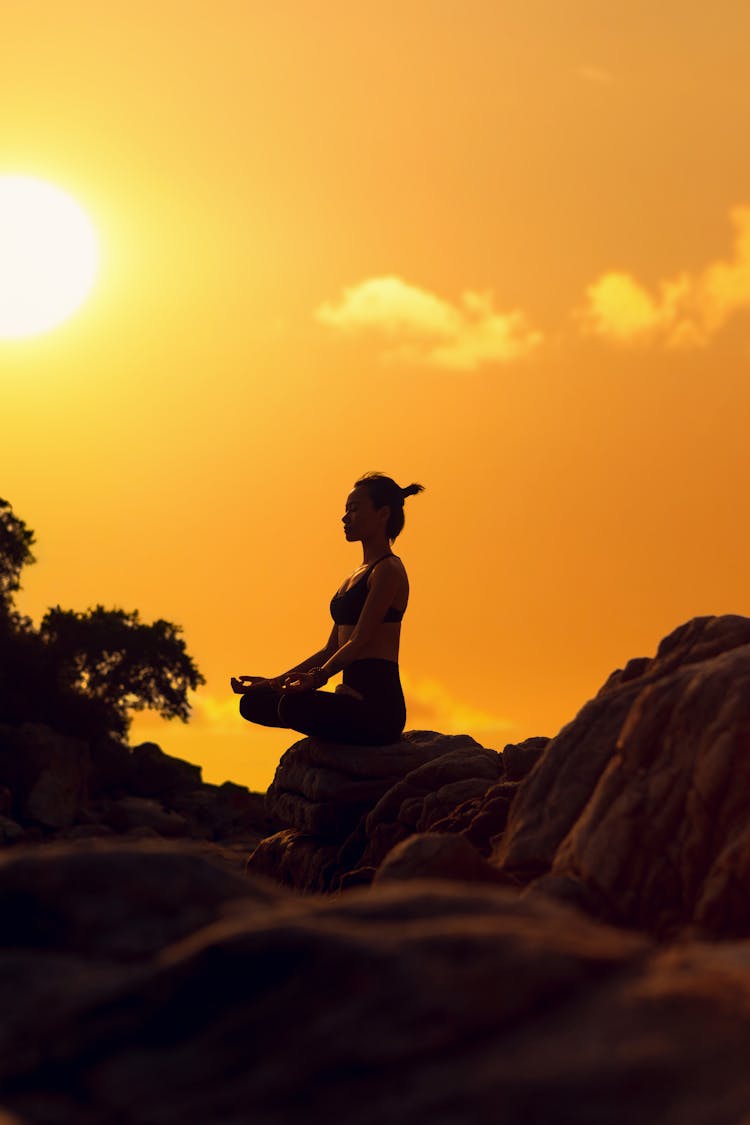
[[49, 256]]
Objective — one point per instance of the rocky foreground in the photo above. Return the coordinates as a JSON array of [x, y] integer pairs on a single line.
[[432, 931]]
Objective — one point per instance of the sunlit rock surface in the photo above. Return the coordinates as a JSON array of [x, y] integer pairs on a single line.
[[640, 808], [157, 987], [350, 820]]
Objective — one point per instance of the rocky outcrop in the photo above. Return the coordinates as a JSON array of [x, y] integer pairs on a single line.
[[427, 795], [640, 808], [55, 786], [346, 806], [297, 860], [157, 987], [323, 788], [637, 811], [45, 773], [438, 855]]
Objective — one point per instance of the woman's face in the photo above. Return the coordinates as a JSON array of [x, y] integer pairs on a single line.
[[361, 519]]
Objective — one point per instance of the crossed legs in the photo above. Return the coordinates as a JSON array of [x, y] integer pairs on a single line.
[[336, 717]]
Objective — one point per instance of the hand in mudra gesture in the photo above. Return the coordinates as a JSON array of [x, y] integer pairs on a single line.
[[302, 681], [242, 684], [288, 682]]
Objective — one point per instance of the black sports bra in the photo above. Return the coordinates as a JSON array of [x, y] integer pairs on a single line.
[[346, 607]]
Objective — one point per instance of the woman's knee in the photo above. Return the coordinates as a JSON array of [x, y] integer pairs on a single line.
[[259, 707], [287, 709], [246, 706]]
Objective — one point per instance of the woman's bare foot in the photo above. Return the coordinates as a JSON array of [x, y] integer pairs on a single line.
[[344, 689]]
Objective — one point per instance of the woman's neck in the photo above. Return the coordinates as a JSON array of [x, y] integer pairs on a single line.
[[373, 549]]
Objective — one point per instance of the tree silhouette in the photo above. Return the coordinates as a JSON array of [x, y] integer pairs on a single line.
[[125, 665], [16, 540], [83, 673]]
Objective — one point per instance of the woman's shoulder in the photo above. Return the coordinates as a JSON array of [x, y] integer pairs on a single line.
[[394, 562], [390, 563]]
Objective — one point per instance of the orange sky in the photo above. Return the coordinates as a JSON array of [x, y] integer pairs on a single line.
[[501, 249]]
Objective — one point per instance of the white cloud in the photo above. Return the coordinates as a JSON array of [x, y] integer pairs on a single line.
[[420, 327], [684, 311]]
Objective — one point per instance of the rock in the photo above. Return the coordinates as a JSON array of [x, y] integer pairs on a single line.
[[319, 987], [131, 813], [88, 832], [112, 769], [295, 859], [156, 774], [519, 758], [112, 899], [482, 816], [323, 793], [482, 819], [53, 782], [387, 762], [359, 877], [644, 799], [46, 772], [10, 832], [218, 811], [139, 974], [323, 789], [427, 795], [434, 855], [476, 1004], [316, 790], [558, 790], [328, 820]]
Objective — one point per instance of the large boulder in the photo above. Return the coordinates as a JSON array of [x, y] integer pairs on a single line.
[[217, 811], [323, 791], [323, 788], [10, 831], [437, 855], [156, 774], [156, 987], [482, 816], [118, 770], [297, 860], [561, 786], [427, 795], [112, 899], [640, 808], [131, 813], [46, 772]]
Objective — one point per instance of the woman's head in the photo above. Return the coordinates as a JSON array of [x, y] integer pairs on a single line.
[[371, 495]]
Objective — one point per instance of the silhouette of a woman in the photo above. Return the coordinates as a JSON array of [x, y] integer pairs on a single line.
[[368, 708]]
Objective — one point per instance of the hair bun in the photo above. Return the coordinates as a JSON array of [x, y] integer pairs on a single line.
[[411, 490]]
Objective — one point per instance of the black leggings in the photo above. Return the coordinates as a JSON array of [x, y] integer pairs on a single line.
[[375, 720]]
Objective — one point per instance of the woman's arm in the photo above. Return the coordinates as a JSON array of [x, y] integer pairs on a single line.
[[317, 658], [384, 585], [241, 684]]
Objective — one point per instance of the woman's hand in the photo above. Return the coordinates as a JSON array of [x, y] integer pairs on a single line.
[[303, 681], [242, 684]]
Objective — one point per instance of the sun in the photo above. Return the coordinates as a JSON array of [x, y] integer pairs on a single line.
[[49, 256]]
